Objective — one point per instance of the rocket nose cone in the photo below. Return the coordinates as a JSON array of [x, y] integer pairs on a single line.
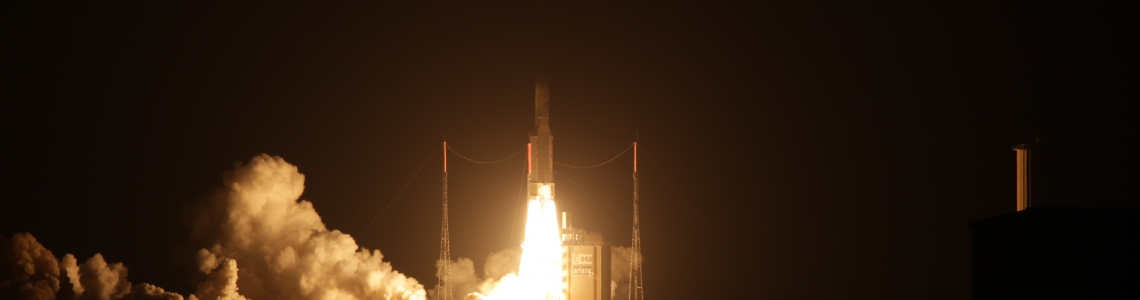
[[540, 82]]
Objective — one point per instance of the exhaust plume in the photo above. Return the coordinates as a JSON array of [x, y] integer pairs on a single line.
[[502, 262], [503, 265], [27, 269], [97, 279], [282, 246], [464, 280], [620, 258], [255, 221], [31, 272], [221, 283]]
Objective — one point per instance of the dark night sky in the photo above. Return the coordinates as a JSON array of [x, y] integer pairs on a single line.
[[838, 150]]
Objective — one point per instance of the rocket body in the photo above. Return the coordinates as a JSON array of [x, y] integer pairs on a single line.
[[542, 143], [540, 267]]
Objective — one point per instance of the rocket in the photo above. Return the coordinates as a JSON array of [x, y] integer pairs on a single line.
[[540, 151]]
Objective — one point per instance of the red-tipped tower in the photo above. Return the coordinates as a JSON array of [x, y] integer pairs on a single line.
[[443, 288], [636, 289]]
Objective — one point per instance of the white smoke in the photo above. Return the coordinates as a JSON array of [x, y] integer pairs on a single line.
[[147, 291], [221, 284], [284, 249], [256, 221], [30, 271], [502, 262], [97, 279], [620, 259], [464, 280], [27, 269]]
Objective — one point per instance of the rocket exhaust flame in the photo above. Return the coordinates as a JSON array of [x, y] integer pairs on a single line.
[[541, 265], [540, 269]]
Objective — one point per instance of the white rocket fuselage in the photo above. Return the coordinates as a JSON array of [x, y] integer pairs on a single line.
[[541, 168]]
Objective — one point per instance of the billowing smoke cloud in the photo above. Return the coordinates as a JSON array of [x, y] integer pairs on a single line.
[[463, 278], [147, 291], [221, 284], [97, 279], [502, 262], [30, 271], [27, 269], [256, 221], [619, 270], [282, 246], [465, 281]]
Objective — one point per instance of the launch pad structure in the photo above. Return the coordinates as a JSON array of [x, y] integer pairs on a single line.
[[443, 292], [586, 257]]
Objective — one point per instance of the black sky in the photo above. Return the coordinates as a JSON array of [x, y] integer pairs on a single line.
[[835, 150]]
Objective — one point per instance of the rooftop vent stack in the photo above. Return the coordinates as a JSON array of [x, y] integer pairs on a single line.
[[1024, 199]]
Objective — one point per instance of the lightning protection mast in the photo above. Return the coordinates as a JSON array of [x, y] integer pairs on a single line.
[[443, 289], [635, 286], [1024, 173]]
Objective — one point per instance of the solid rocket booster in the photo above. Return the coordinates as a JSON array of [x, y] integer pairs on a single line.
[[541, 142]]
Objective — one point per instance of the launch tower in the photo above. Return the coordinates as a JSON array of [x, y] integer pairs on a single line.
[[443, 289]]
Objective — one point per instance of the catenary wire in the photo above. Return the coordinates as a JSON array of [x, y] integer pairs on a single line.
[[399, 193], [567, 179], [515, 217], [559, 145], [597, 165], [482, 162]]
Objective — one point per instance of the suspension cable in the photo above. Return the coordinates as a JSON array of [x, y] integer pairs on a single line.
[[563, 150], [597, 165], [399, 193], [515, 217], [484, 162], [567, 179]]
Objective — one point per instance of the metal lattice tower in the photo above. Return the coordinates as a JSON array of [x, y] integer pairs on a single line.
[[636, 292], [443, 289]]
